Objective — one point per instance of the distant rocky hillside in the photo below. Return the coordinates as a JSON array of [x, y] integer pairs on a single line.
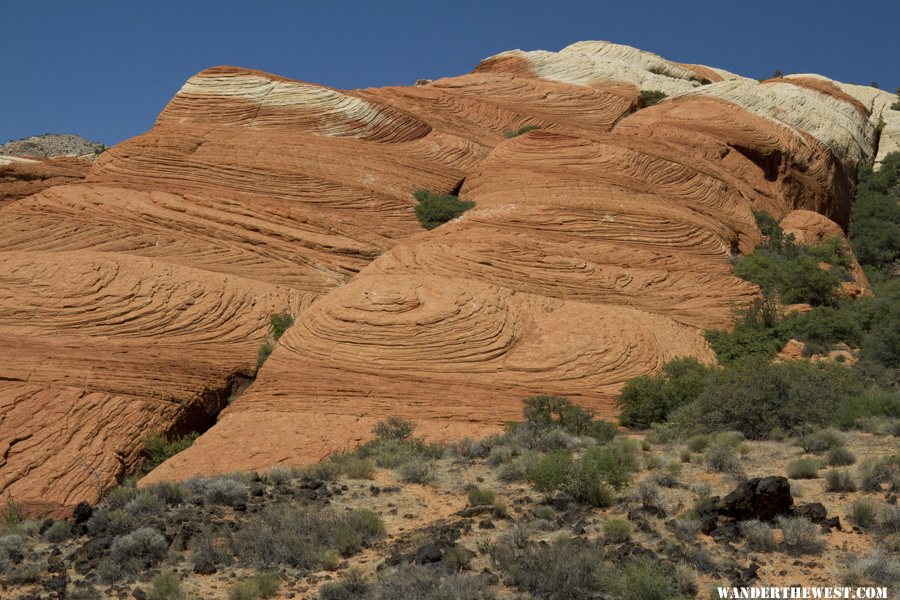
[[51, 145]]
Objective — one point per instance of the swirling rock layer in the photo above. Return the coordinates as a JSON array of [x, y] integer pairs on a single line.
[[600, 247]]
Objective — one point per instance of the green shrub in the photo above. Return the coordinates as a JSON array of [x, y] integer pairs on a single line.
[[840, 457], [416, 582], [756, 397], [60, 531], [226, 490], [281, 534], [394, 428], [804, 468], [433, 210], [799, 535], [417, 471], [873, 472], [166, 586], [646, 579], [562, 569], [145, 503], [863, 510], [839, 481], [158, 449], [873, 402], [480, 496], [651, 97], [548, 473], [279, 323], [648, 399], [146, 546], [760, 536], [697, 443], [520, 131], [616, 531], [548, 411], [358, 468], [720, 457], [350, 586], [260, 585], [264, 352], [756, 332], [822, 441]]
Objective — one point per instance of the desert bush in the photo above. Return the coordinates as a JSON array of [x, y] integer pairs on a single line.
[[757, 397], [873, 472], [520, 131], [350, 586], [839, 481], [284, 535], [212, 545], [760, 536], [889, 519], [122, 494], [686, 527], [651, 97], [417, 471], [839, 457], [433, 210], [516, 470], [548, 473], [171, 493], [800, 536], [565, 569], [646, 579], [279, 323], [722, 458], [166, 586], [260, 585], [803, 468], [108, 571], [697, 443], [265, 351], [278, 475], [145, 503], [145, 546], [648, 493], [223, 490], [616, 531], [480, 496], [649, 399], [358, 468], [863, 510], [394, 428], [10, 551], [822, 441], [158, 448], [415, 582], [668, 477], [875, 568], [60, 531], [548, 411]]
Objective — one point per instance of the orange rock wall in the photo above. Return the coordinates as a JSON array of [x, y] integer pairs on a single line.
[[599, 248]]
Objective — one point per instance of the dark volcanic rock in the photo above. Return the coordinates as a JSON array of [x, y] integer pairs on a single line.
[[762, 498]]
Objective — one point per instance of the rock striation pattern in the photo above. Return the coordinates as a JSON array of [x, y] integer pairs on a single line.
[[600, 247]]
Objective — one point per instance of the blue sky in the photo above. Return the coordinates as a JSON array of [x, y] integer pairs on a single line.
[[105, 69]]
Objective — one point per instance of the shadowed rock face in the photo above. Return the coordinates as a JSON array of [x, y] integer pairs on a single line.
[[599, 249]]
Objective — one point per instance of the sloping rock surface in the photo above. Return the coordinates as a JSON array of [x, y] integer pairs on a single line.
[[600, 247]]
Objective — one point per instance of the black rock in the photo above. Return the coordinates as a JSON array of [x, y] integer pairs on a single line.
[[204, 568], [428, 553], [486, 524], [726, 532], [82, 512], [762, 498], [814, 511], [139, 594]]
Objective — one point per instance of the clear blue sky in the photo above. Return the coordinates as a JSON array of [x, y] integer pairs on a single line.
[[105, 68]]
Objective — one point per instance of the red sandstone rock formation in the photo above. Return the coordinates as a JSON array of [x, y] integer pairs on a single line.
[[599, 248], [21, 177]]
